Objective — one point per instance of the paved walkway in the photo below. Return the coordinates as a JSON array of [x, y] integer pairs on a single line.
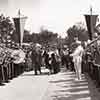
[[63, 86], [25, 87]]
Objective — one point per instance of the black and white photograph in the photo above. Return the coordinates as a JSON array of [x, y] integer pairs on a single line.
[[49, 50]]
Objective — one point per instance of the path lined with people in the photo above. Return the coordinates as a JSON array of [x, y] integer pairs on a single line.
[[60, 86]]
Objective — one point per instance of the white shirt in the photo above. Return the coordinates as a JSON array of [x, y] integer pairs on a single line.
[[77, 54]]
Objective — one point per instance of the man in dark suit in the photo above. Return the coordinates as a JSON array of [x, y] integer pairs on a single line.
[[36, 61]]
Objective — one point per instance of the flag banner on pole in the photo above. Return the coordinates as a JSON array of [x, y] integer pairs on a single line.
[[91, 23], [17, 29], [22, 24], [19, 25]]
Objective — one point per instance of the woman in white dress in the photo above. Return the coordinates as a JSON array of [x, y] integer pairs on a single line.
[[77, 59]]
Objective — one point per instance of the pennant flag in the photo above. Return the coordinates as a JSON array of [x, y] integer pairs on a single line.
[[17, 29], [91, 24], [19, 26], [22, 24]]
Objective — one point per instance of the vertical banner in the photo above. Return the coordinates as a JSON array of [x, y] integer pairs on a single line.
[[19, 28], [22, 24], [91, 23]]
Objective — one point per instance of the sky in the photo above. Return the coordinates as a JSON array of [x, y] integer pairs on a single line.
[[54, 15]]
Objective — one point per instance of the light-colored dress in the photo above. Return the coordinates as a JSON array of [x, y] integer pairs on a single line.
[[77, 59]]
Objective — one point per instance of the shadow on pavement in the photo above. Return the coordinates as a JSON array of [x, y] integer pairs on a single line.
[[70, 89], [34, 74], [61, 81], [2, 84]]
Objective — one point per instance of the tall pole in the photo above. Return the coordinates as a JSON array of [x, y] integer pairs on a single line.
[[91, 10], [19, 15]]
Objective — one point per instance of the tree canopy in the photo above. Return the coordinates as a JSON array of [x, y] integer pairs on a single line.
[[45, 37], [77, 30], [6, 28]]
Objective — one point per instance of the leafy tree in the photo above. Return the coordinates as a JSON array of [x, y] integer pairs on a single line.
[[27, 36], [45, 37], [6, 28], [76, 30], [48, 37], [34, 37]]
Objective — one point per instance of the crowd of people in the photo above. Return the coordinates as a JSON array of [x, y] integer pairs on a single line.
[[45, 57], [55, 58], [14, 61]]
